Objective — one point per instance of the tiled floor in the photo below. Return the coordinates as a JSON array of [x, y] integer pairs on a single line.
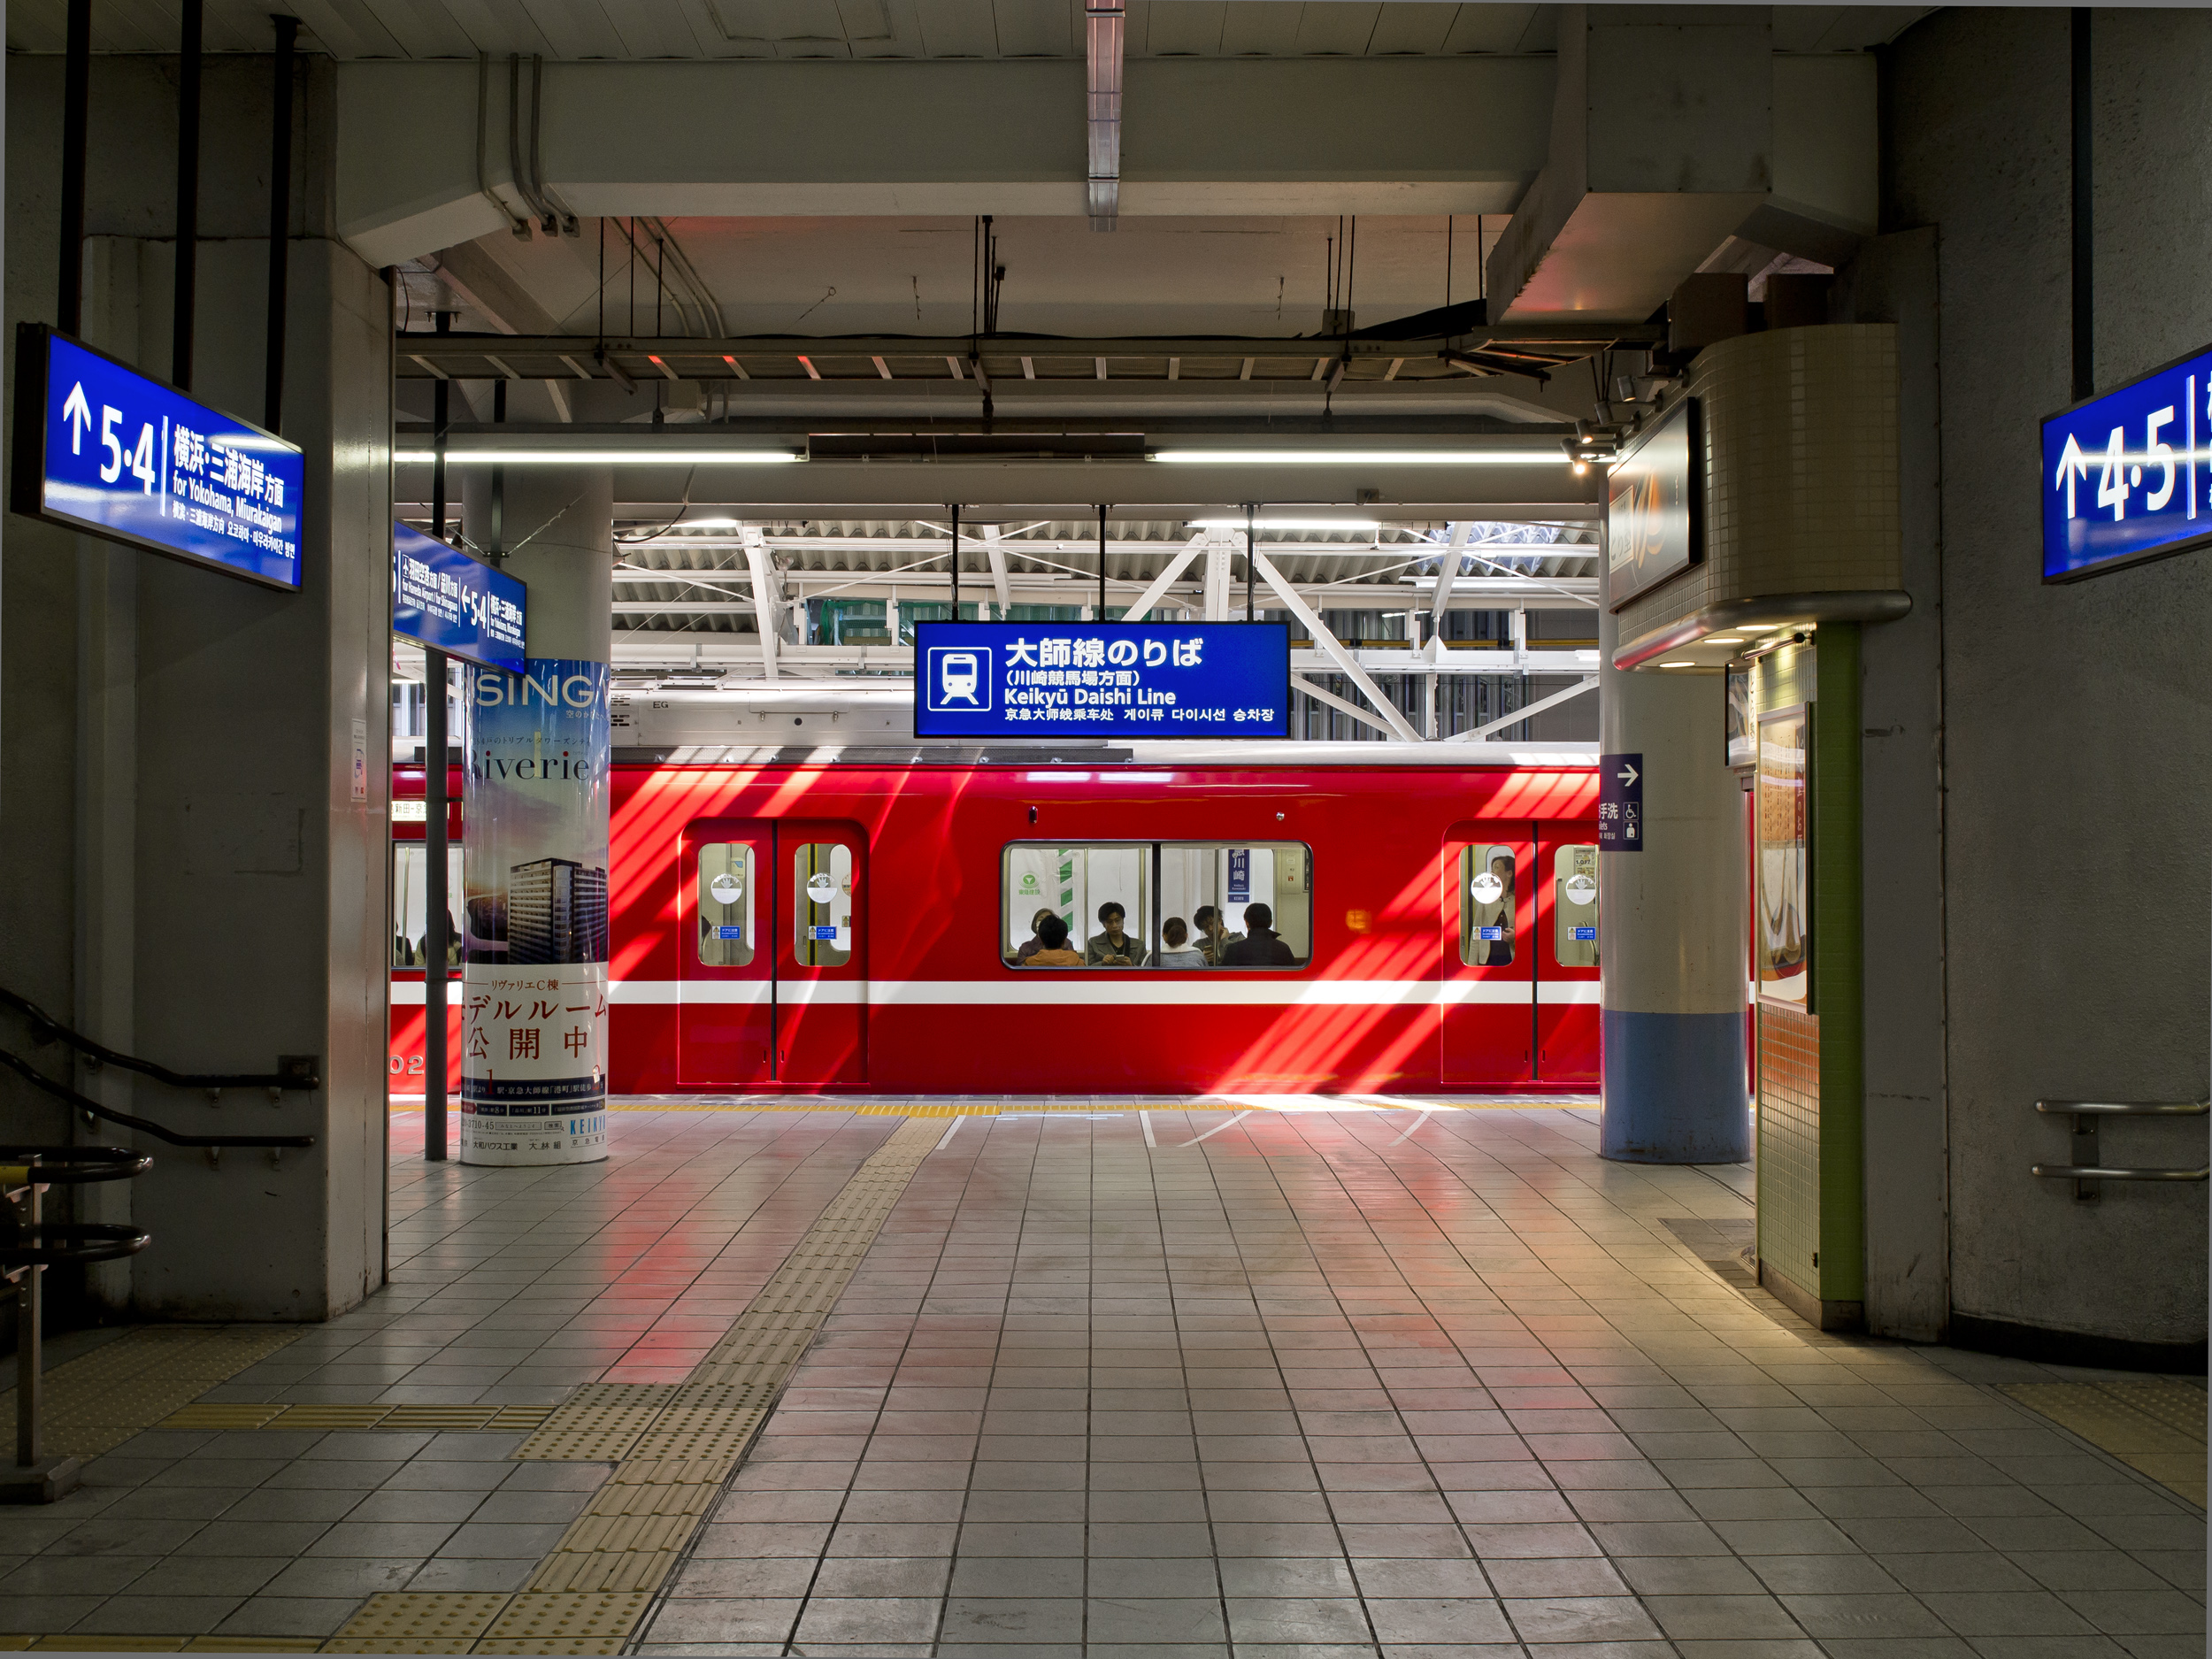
[[1318, 1384]]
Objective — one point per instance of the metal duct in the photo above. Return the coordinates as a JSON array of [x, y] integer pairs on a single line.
[[1105, 19]]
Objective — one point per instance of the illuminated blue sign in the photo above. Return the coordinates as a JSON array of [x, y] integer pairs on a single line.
[[448, 601], [2128, 476], [1101, 680], [101, 448]]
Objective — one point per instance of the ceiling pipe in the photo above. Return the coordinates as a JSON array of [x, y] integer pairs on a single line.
[[1104, 21]]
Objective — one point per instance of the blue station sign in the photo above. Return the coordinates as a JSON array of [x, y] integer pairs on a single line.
[[451, 603], [1101, 680], [2128, 476], [103, 448]]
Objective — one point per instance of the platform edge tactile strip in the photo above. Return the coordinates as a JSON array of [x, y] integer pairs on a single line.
[[630, 1537], [425, 1614]]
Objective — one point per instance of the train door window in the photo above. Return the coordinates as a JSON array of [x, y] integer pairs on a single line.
[[1103, 894], [727, 905], [1486, 905], [1575, 905], [1236, 907], [411, 904], [822, 904]]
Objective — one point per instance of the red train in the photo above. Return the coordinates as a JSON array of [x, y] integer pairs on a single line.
[[830, 928]]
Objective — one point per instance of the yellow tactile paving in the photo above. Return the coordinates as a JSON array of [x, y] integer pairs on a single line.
[[2156, 1425], [97, 1401]]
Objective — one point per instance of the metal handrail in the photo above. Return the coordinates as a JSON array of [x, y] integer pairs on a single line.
[[30, 1074], [2086, 1114], [300, 1076], [2129, 1108]]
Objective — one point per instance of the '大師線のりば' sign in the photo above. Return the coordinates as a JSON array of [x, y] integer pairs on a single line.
[[1101, 680], [2127, 476], [103, 448]]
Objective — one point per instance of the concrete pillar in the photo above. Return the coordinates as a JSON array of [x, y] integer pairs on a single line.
[[196, 877], [1671, 923], [534, 833]]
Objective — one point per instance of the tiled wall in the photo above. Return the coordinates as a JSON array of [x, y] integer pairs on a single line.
[[1789, 1143], [1801, 482]]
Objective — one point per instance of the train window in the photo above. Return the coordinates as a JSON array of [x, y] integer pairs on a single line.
[[1485, 906], [822, 904], [727, 916], [1236, 907], [1215, 905], [1574, 904], [411, 904], [1101, 893]]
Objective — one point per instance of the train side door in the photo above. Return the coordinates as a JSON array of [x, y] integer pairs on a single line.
[[821, 969], [1567, 1018], [726, 1024], [1488, 1026]]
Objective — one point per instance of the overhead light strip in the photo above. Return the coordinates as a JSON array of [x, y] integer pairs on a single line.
[[639, 456], [1363, 458]]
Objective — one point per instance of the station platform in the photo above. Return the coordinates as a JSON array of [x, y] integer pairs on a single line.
[[1309, 1376]]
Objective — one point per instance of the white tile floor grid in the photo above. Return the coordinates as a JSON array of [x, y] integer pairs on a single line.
[[1307, 1389]]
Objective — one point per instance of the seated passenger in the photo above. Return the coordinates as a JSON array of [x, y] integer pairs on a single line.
[[1052, 945], [1262, 947], [1111, 948], [1172, 952], [1031, 946], [1213, 935]]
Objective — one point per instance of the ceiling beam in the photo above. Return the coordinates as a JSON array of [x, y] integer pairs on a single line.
[[1103, 30]]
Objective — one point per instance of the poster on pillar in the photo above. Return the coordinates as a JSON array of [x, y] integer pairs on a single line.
[[534, 1065]]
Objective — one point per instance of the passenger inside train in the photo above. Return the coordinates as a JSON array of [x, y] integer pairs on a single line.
[[1034, 943], [1214, 938], [1174, 946], [1111, 946], [1052, 945], [1260, 945]]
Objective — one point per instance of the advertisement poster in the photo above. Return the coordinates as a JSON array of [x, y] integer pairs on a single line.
[[1784, 880], [1652, 530], [533, 1054]]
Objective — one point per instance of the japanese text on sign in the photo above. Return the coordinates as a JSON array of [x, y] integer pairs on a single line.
[[1105, 680], [103, 448], [446, 599], [1621, 803]]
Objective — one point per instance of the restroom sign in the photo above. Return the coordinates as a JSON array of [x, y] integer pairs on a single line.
[[1621, 803]]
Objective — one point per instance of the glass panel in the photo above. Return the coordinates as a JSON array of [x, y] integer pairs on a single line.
[[1574, 906], [1784, 918], [822, 904], [1236, 907], [726, 917], [1485, 906], [1101, 896], [411, 904]]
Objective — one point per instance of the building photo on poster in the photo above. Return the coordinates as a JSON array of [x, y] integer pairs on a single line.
[[1653, 528], [1784, 925]]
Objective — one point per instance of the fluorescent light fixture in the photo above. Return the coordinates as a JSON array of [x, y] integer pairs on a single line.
[[600, 458], [1720, 639], [1756, 627], [1679, 662], [1286, 524], [1363, 458]]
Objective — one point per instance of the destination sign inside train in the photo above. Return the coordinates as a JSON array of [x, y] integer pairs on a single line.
[[1101, 680], [101, 448], [2128, 476], [446, 599]]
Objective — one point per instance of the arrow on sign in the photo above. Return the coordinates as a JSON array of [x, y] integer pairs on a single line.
[[78, 413], [1628, 774]]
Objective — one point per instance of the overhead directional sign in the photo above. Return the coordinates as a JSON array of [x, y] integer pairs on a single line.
[[103, 448], [1621, 803], [1101, 680], [446, 599], [2128, 476]]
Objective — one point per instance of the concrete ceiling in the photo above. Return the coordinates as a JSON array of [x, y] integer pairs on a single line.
[[646, 30]]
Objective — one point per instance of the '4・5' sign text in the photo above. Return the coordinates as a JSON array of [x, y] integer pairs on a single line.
[[2128, 476]]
